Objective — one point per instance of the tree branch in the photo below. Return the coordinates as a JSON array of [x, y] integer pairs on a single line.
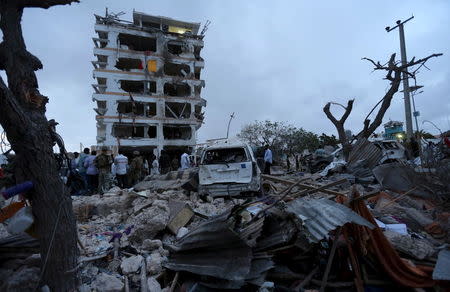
[[348, 110], [420, 61], [327, 111], [369, 128], [44, 3], [391, 66], [392, 69]]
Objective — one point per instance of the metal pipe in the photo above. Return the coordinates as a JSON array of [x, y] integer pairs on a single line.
[[229, 122]]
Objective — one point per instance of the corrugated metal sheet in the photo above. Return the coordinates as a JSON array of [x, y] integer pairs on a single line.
[[222, 256], [365, 150], [320, 216], [442, 269], [212, 249]]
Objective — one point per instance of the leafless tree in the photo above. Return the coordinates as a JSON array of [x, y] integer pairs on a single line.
[[394, 75], [339, 124], [22, 116]]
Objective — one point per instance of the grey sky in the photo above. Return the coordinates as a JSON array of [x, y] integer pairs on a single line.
[[279, 60]]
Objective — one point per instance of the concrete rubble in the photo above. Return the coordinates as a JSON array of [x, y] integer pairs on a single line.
[[107, 283], [160, 236]]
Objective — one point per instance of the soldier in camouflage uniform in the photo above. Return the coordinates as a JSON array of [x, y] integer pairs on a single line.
[[136, 167], [103, 163]]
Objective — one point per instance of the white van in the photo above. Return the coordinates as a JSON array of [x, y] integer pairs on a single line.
[[228, 169]]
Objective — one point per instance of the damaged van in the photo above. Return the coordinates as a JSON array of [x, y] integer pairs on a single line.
[[229, 169]]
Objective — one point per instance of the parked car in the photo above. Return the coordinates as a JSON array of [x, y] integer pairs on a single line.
[[229, 169]]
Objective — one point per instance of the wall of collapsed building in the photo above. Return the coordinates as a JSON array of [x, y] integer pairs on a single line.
[[148, 82]]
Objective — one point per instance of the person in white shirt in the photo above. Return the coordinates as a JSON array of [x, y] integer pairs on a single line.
[[121, 169], [155, 165], [184, 161], [267, 160]]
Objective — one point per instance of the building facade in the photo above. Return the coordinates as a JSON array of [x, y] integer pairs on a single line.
[[148, 84], [394, 130]]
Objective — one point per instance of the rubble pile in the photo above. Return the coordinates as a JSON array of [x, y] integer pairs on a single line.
[[126, 233], [308, 231]]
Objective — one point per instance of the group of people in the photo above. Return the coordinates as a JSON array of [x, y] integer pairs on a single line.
[[167, 164], [99, 170]]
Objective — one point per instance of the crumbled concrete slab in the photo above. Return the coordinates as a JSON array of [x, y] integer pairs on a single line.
[[415, 247], [107, 283], [149, 222], [24, 279], [131, 264], [115, 191], [180, 214], [182, 232], [84, 288], [153, 285], [101, 206], [155, 262], [149, 244]]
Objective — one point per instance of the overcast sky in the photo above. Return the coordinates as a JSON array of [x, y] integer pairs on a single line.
[[277, 60]]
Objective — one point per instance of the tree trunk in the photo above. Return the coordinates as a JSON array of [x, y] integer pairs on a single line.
[[22, 115]]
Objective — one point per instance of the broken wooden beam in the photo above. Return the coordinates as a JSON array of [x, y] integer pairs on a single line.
[[330, 260], [323, 188], [305, 186], [306, 281]]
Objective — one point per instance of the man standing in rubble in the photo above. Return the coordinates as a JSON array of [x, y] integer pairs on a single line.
[[91, 172], [184, 161], [136, 167], [74, 161], [81, 168], [267, 159], [121, 166], [155, 165], [103, 163]]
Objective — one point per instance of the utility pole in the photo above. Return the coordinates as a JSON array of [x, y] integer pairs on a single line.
[[408, 117]]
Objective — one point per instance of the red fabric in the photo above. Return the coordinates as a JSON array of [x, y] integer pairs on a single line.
[[2, 174], [447, 141], [9, 211], [401, 271]]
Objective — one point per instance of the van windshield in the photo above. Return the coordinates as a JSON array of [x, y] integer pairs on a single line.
[[225, 155]]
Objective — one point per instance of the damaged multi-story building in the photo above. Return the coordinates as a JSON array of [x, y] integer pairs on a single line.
[[148, 83]]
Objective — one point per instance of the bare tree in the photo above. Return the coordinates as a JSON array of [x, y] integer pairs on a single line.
[[339, 124], [22, 116], [394, 75]]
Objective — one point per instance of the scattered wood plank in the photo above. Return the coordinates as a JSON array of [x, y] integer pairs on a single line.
[[305, 186], [330, 260], [174, 282], [305, 281], [322, 188]]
